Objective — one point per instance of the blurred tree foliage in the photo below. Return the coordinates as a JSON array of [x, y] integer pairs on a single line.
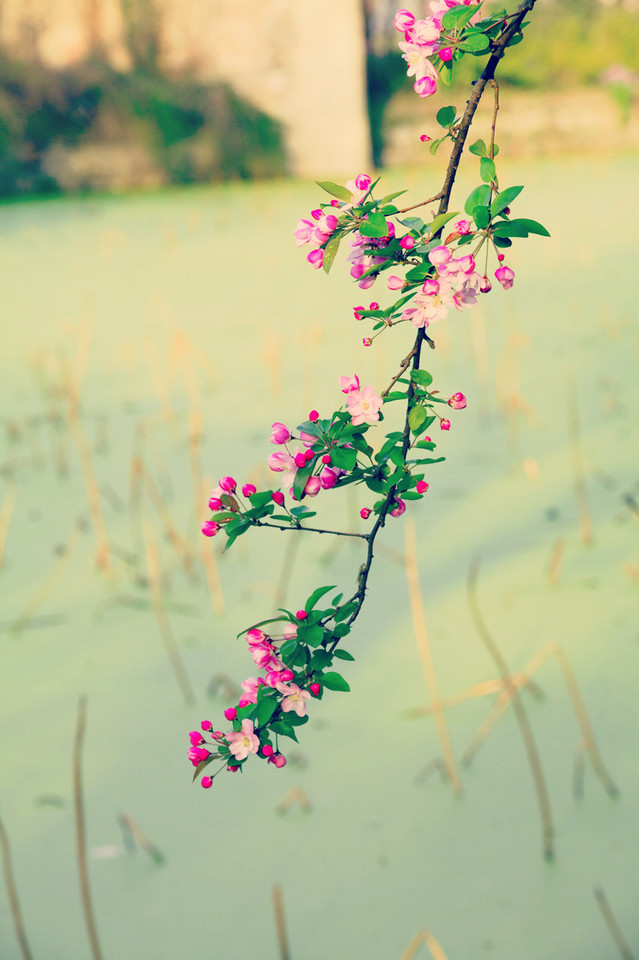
[[191, 131]]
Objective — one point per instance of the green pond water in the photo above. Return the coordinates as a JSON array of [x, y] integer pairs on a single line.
[[167, 307]]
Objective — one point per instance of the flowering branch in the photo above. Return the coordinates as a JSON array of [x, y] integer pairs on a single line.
[[297, 650]]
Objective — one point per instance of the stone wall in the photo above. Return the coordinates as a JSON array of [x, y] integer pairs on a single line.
[[300, 61]]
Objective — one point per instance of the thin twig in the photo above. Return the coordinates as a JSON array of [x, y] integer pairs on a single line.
[[83, 871], [132, 831], [520, 713], [6, 512], [613, 926], [12, 893], [493, 127], [579, 478], [422, 203], [424, 936], [335, 533]]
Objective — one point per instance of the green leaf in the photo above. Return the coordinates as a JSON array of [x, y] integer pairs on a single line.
[[330, 250], [487, 169], [315, 596], [436, 144], [413, 223], [341, 630], [446, 116], [377, 486], [312, 636], [265, 710], [440, 221], [394, 395], [320, 660], [343, 655], [415, 274], [342, 613], [426, 444], [510, 228], [422, 377], [204, 763], [334, 681], [457, 17], [288, 650], [260, 498], [375, 226], [446, 74], [475, 41], [504, 199], [479, 148], [481, 216], [335, 189], [480, 197], [533, 227], [284, 729], [295, 721], [344, 458], [416, 417], [393, 196], [300, 480], [502, 241]]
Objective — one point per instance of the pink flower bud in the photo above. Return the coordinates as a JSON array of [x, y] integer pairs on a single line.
[[255, 636], [457, 401], [278, 498], [363, 181], [407, 242], [313, 417], [280, 433], [501, 256], [301, 615], [446, 54], [399, 508], [307, 438], [348, 384], [206, 725], [316, 258], [326, 458], [230, 713], [430, 288], [485, 285], [316, 214], [425, 138], [394, 283], [278, 759], [422, 486], [403, 21], [357, 312], [196, 738], [215, 503], [425, 86], [444, 424], [286, 675], [197, 755], [505, 276], [315, 689], [463, 227], [228, 484], [335, 203], [300, 460], [232, 769], [367, 341], [373, 306], [209, 529], [206, 782], [313, 486], [328, 478], [267, 750], [244, 702], [365, 513], [248, 490]]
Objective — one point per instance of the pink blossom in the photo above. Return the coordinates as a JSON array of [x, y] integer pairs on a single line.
[[215, 503], [303, 233], [196, 738], [419, 66], [326, 458], [505, 276], [300, 460], [444, 424], [407, 242], [422, 486], [365, 513], [280, 461], [289, 630], [249, 489], [267, 750], [228, 484], [404, 20], [316, 258], [315, 689], [301, 615], [463, 227], [295, 698], [206, 725], [394, 283], [485, 285], [244, 741], [364, 405], [278, 498], [445, 54], [313, 416], [316, 214], [425, 33], [430, 287], [209, 528], [348, 384], [457, 401], [313, 486], [250, 687], [439, 255], [399, 508], [373, 306], [264, 657], [206, 782], [307, 438], [197, 755], [367, 341], [359, 187], [425, 87], [280, 433], [230, 713], [425, 138]]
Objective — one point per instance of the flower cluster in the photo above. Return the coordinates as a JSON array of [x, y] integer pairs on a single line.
[[427, 38]]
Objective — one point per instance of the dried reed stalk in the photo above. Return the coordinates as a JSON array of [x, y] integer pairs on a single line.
[[611, 922], [132, 829], [12, 894], [294, 795], [428, 666], [280, 923], [578, 472], [50, 581], [424, 937], [6, 512], [80, 833]]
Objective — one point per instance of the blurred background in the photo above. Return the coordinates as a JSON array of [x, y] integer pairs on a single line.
[[155, 157]]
